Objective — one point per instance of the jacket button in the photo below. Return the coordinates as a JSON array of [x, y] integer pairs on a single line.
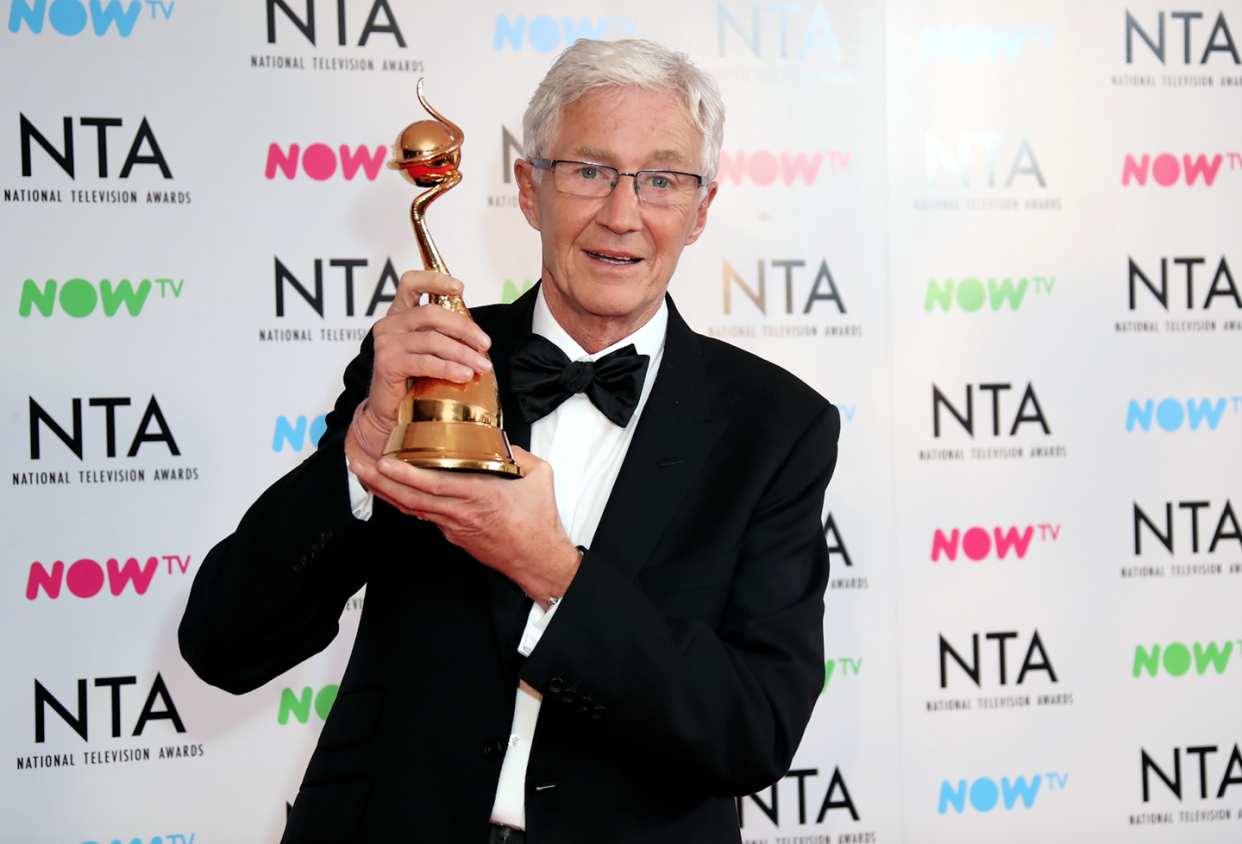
[[316, 547], [584, 703], [555, 685], [569, 696], [493, 748], [299, 567], [325, 535], [598, 712]]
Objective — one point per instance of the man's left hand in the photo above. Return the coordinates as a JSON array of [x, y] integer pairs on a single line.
[[511, 525]]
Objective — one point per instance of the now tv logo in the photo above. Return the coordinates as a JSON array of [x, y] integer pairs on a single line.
[[319, 161], [294, 433], [1170, 416], [762, 167], [976, 543], [1166, 170], [85, 578], [984, 795]]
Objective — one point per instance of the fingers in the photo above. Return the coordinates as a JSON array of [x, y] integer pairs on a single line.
[[434, 318], [415, 283], [419, 354]]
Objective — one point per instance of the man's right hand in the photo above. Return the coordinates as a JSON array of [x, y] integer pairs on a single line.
[[415, 340]]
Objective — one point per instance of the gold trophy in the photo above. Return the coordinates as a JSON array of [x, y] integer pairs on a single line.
[[443, 424]]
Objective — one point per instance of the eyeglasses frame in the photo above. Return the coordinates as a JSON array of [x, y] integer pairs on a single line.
[[550, 164]]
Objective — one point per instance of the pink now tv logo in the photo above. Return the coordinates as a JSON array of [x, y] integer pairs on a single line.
[[85, 578], [763, 168], [976, 543], [320, 161], [1166, 170]]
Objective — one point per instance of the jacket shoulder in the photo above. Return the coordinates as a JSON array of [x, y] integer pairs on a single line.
[[741, 377]]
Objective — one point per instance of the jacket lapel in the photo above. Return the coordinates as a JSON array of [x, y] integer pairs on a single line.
[[676, 433], [509, 604]]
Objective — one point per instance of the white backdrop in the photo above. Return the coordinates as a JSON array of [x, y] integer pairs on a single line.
[[1001, 237]]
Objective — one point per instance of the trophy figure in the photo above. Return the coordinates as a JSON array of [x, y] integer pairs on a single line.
[[443, 424]]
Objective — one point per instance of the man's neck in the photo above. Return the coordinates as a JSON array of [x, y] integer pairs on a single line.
[[594, 333]]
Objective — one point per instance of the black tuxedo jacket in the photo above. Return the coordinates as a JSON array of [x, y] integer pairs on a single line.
[[680, 670]]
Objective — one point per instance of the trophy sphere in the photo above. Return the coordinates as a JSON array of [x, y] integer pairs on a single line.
[[427, 152]]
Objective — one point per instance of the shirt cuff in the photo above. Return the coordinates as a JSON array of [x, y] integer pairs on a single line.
[[361, 499], [536, 623]]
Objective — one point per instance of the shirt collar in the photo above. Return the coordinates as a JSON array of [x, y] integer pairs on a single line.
[[648, 340]]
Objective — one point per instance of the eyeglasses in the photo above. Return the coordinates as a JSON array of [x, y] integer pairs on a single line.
[[658, 187]]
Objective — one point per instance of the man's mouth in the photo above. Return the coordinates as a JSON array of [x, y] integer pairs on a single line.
[[612, 259]]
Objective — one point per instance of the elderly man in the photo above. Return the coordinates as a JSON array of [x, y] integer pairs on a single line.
[[615, 646]]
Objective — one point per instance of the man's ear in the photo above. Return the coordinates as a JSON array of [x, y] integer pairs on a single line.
[[700, 221], [524, 172]]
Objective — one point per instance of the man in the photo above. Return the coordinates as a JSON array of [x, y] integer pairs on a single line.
[[616, 645]]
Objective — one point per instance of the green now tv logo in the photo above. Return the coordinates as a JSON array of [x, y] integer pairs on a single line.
[[971, 294], [1176, 658], [300, 707], [79, 298]]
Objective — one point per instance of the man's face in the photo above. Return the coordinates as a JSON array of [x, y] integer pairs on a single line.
[[611, 258]]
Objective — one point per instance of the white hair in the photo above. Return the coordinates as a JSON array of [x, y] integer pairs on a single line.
[[588, 65]]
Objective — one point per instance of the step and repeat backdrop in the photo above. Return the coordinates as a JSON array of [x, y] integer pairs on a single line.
[[1001, 237]]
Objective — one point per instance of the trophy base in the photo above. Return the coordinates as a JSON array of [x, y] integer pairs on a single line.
[[455, 446]]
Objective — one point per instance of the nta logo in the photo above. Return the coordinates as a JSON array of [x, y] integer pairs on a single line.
[[971, 295], [936, 153], [1229, 290], [1170, 415], [319, 161], [816, 34], [1166, 171], [823, 288], [984, 795], [974, 669], [348, 265], [976, 543], [306, 22], [151, 416], [772, 808], [966, 44], [1029, 410], [1176, 658], [65, 158], [85, 578], [43, 700], [1226, 526], [1220, 41], [78, 297], [68, 17], [544, 33], [1174, 783]]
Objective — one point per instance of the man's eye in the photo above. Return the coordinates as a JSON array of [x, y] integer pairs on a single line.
[[588, 173], [660, 182]]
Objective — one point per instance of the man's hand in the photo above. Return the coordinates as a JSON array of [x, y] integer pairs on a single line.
[[413, 341], [510, 525]]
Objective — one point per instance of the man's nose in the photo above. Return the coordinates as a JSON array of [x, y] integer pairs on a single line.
[[621, 211]]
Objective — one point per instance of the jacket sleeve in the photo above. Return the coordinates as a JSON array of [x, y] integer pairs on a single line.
[[270, 595], [720, 710]]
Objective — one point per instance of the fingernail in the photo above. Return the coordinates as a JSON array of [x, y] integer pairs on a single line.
[[484, 364]]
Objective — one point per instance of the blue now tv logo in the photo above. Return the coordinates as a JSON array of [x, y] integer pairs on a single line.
[[1170, 414], [295, 433], [544, 31], [177, 838], [69, 17], [984, 795], [966, 44]]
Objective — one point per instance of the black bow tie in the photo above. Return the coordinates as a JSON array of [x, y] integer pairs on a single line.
[[542, 377]]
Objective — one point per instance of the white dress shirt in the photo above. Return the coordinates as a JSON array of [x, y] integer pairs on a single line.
[[586, 452]]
